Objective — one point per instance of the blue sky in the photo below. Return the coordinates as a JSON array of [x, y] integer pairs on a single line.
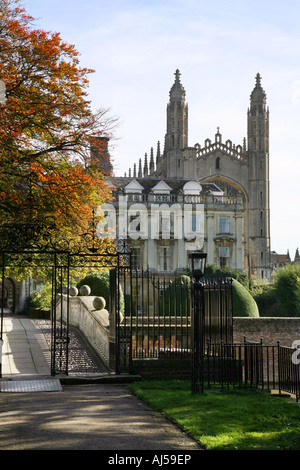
[[135, 46]]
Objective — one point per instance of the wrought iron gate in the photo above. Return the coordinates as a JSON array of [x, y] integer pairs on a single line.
[[60, 324], [23, 244]]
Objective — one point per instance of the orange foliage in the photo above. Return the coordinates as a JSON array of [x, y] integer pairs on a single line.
[[47, 126]]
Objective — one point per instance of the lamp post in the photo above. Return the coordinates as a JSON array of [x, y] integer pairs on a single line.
[[197, 265]]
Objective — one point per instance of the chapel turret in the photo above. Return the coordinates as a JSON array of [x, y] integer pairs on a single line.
[[176, 137], [258, 182], [258, 119]]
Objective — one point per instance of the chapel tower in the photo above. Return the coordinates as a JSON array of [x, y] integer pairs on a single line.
[[258, 183], [240, 171], [176, 138]]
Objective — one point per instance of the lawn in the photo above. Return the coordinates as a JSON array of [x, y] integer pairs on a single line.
[[226, 420]]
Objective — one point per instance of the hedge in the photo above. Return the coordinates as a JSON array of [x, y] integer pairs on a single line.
[[243, 303]]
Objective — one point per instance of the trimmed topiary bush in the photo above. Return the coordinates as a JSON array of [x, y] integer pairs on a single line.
[[177, 300], [243, 303], [129, 307]]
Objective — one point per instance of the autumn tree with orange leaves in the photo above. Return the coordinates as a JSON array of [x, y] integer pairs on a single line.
[[47, 127]]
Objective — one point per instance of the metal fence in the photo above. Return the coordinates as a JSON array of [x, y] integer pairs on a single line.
[[251, 364], [159, 311], [159, 322], [288, 370]]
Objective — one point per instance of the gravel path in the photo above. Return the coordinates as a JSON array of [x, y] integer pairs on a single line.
[[82, 359]]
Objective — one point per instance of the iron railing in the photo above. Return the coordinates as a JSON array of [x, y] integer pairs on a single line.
[[159, 311], [252, 364], [288, 370]]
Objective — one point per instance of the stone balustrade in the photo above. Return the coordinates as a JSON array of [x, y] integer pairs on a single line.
[[94, 324]]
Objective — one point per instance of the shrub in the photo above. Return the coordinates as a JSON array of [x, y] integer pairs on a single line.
[[267, 301], [243, 303], [129, 307], [41, 298], [176, 300], [286, 284], [213, 271], [98, 282]]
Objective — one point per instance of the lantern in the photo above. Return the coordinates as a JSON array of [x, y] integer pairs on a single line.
[[197, 263]]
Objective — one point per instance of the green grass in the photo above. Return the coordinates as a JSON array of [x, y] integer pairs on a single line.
[[226, 420]]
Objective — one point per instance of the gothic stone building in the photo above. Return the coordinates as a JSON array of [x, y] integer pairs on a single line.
[[240, 171]]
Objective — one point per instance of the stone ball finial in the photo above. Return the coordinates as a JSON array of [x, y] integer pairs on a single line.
[[85, 290], [99, 303], [73, 291]]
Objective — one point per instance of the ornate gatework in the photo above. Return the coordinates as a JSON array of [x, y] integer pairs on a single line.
[[37, 245]]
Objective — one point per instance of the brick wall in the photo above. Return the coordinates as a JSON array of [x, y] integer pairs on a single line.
[[270, 329]]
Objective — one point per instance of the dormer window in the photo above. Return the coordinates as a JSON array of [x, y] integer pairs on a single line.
[[133, 187], [192, 187], [161, 188], [161, 192]]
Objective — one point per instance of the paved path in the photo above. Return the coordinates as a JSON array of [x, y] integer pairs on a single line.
[[76, 417], [86, 417], [25, 352]]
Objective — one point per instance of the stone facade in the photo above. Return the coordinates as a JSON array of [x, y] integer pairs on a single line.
[[166, 218]]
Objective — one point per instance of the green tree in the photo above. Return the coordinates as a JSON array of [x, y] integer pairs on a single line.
[[41, 298], [297, 293]]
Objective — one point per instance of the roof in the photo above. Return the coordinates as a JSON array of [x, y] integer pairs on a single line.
[[176, 184], [280, 258]]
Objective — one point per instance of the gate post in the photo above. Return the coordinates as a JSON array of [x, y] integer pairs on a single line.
[[112, 320], [197, 336], [198, 262]]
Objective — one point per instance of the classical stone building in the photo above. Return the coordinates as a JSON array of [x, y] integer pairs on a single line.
[[166, 218], [240, 171]]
